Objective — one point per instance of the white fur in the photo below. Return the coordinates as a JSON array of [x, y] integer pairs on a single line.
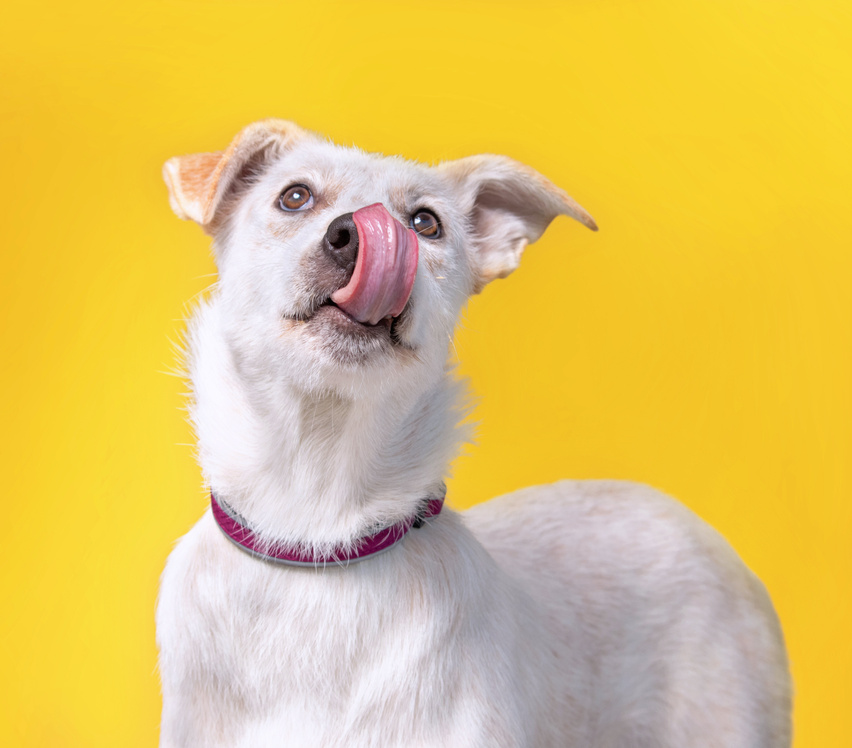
[[578, 614]]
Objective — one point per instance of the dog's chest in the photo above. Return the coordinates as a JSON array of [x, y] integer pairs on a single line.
[[252, 647]]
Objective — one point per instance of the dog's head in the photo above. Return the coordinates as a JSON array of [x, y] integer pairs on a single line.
[[338, 267]]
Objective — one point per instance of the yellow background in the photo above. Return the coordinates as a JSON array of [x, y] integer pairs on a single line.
[[700, 342]]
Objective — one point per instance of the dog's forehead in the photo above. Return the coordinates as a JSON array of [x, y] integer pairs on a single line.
[[341, 170]]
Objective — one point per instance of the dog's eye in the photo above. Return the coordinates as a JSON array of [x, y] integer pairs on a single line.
[[296, 197], [426, 223]]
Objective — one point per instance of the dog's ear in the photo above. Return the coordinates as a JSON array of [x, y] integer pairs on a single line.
[[198, 184], [509, 205]]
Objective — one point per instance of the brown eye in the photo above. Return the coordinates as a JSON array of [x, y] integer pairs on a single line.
[[426, 223], [296, 197]]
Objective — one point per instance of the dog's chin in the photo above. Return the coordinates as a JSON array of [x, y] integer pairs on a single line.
[[349, 342]]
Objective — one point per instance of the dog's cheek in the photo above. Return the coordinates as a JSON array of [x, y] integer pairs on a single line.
[[428, 325], [456, 279], [265, 282], [457, 270]]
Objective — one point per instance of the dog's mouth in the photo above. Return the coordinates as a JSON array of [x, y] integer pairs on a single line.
[[331, 318], [371, 262]]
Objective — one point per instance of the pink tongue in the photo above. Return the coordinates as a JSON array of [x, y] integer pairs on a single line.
[[384, 269]]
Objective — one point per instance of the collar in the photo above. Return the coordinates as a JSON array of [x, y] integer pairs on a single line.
[[238, 531]]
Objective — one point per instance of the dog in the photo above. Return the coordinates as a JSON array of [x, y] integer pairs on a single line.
[[327, 598]]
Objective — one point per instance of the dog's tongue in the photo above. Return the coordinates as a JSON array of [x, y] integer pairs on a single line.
[[384, 269]]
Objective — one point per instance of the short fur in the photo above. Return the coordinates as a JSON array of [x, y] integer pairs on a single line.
[[577, 614]]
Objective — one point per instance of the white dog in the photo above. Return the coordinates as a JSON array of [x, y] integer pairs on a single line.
[[578, 614]]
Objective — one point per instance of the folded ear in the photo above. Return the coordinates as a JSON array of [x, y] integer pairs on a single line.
[[509, 206], [198, 184]]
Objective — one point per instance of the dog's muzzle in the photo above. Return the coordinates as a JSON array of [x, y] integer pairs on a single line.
[[383, 256]]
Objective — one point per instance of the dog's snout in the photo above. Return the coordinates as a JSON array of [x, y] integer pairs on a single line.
[[341, 241]]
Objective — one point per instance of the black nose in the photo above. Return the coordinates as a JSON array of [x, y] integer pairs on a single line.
[[341, 241]]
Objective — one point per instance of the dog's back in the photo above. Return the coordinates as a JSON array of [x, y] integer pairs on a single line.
[[663, 631]]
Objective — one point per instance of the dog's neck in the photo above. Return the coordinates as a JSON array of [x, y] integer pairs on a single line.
[[316, 470]]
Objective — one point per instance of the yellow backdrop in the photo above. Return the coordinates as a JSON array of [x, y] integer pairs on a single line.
[[700, 342]]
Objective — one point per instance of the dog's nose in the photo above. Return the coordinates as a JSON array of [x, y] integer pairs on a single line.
[[341, 241]]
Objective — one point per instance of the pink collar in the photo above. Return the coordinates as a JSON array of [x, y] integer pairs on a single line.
[[238, 531]]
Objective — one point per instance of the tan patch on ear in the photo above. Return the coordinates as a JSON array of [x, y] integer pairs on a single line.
[[192, 183], [198, 182], [196, 172]]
